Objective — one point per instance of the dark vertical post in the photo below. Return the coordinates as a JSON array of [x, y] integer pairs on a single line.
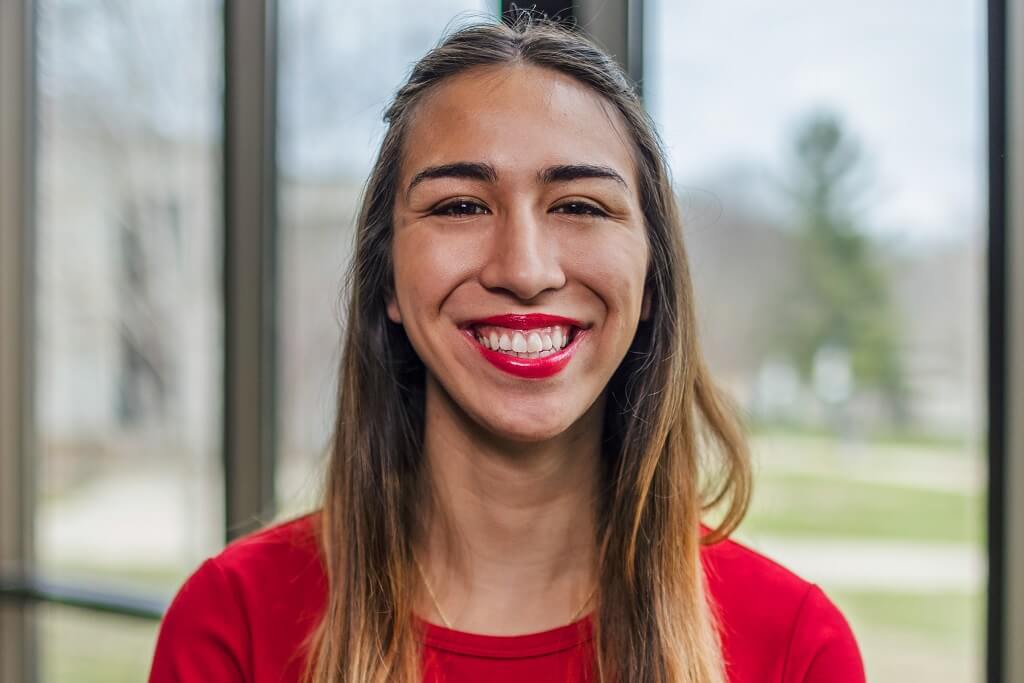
[[556, 9], [18, 643], [250, 41], [997, 337], [617, 25], [1007, 120]]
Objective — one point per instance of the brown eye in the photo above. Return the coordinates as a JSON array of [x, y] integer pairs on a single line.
[[580, 209], [460, 207]]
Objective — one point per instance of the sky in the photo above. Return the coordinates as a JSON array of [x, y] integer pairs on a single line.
[[727, 81]]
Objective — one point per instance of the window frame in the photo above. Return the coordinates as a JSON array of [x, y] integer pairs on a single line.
[[249, 194], [18, 627], [1005, 598], [249, 263]]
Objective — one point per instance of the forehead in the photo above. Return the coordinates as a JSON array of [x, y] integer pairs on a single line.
[[518, 118]]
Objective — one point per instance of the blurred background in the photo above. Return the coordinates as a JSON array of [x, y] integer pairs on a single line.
[[832, 163]]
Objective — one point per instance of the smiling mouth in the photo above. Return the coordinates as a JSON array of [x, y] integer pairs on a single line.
[[531, 346], [536, 343]]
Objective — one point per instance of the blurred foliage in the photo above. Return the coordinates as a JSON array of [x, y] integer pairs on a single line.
[[843, 294]]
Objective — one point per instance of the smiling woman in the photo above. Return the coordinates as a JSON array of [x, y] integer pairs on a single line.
[[527, 435]]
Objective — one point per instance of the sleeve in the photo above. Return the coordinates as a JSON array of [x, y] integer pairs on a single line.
[[203, 633], [822, 648]]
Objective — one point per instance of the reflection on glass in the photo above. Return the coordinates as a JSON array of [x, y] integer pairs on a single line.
[[128, 359], [339, 64], [829, 161], [87, 647]]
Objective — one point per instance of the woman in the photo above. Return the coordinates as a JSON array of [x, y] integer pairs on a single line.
[[527, 434]]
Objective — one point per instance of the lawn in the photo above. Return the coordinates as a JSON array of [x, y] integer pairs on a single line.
[[792, 504], [86, 647]]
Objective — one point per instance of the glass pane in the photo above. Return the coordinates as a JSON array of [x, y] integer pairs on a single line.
[[87, 647], [340, 62], [129, 338], [829, 158]]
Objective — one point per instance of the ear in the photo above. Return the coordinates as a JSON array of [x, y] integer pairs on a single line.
[[645, 307], [394, 314]]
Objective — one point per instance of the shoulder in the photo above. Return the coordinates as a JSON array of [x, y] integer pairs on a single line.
[[282, 551], [276, 571], [775, 625], [245, 609]]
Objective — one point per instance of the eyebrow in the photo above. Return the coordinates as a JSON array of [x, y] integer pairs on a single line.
[[567, 172], [470, 170], [484, 172]]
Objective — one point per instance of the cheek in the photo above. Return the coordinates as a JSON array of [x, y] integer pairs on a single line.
[[615, 268], [428, 267]]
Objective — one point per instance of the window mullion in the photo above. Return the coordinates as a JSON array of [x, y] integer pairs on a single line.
[[1011, 213], [250, 38], [17, 280], [617, 25]]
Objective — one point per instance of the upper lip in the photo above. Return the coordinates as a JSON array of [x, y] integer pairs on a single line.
[[525, 321]]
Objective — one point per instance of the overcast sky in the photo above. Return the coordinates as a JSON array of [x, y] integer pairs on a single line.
[[727, 79]]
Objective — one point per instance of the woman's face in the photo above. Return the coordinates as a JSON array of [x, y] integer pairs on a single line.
[[519, 247]]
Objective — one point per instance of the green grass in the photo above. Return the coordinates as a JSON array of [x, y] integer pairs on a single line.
[[939, 444], [944, 617], [148, 580], [806, 504], [936, 637], [86, 647]]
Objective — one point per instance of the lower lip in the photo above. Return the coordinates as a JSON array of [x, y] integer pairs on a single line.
[[529, 368]]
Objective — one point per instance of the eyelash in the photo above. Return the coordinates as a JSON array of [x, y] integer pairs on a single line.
[[445, 209]]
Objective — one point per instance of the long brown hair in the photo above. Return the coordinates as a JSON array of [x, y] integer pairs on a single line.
[[674, 446]]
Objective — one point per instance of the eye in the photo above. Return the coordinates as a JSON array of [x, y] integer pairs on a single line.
[[578, 208], [459, 207]]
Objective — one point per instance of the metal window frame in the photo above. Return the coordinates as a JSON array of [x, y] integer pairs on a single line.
[[1013, 635], [556, 9], [616, 25], [249, 285], [18, 642], [250, 268], [1006, 341]]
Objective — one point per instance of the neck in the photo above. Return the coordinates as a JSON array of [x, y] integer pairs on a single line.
[[509, 540]]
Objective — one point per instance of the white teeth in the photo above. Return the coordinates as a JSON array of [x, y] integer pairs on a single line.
[[526, 343]]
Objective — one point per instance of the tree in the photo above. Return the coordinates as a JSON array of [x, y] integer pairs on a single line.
[[842, 301]]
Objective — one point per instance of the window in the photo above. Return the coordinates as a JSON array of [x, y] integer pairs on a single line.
[[830, 162]]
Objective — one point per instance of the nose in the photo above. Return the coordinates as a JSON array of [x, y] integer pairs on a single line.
[[524, 258]]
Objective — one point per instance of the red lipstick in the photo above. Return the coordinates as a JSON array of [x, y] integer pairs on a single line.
[[526, 321], [528, 368]]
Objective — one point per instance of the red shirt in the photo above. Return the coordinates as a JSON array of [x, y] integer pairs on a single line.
[[243, 614]]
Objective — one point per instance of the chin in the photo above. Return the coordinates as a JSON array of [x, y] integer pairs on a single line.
[[527, 427], [542, 421]]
